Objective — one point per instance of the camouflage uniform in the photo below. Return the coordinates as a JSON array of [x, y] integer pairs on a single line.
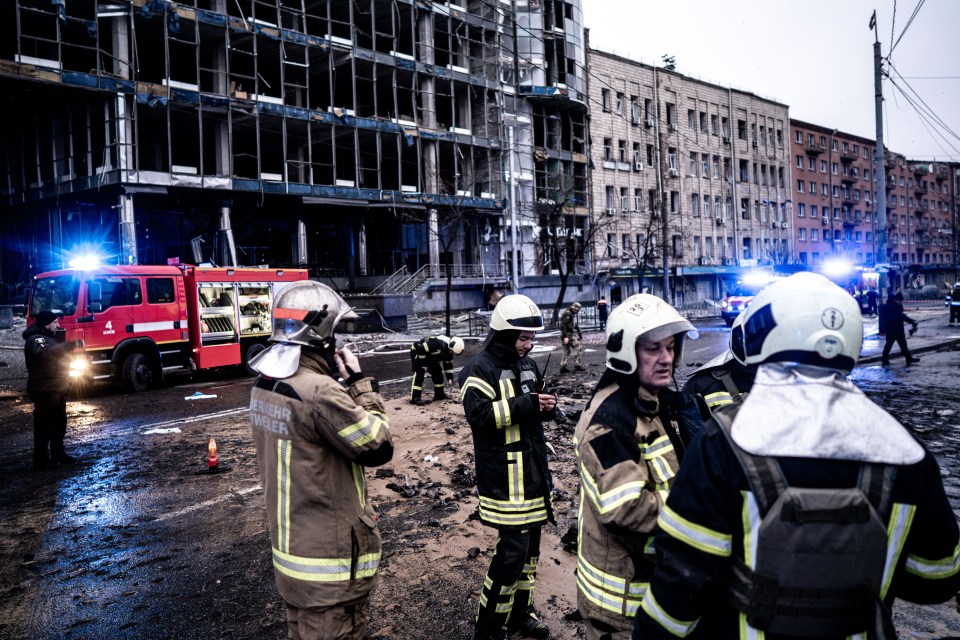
[[570, 336]]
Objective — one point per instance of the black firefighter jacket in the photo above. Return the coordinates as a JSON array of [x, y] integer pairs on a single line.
[[499, 392], [46, 360]]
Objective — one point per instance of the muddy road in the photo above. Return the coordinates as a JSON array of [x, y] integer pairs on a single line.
[[136, 540]]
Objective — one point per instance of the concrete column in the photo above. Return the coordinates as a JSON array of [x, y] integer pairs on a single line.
[[120, 39], [128, 230], [428, 101], [364, 265], [433, 242], [228, 252], [300, 256]]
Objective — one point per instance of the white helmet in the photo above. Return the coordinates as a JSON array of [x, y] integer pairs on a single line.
[[804, 318], [455, 344], [306, 313], [644, 315], [516, 312]]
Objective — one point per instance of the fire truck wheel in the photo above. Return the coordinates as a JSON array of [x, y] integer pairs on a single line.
[[136, 373], [252, 352]]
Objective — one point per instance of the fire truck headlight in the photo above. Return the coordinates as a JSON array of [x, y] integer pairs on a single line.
[[78, 366]]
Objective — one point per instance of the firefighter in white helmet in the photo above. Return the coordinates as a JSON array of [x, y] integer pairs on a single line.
[[628, 446], [502, 396], [314, 435], [806, 509], [433, 355]]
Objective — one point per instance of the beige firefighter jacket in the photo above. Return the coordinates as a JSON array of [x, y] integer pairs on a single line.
[[627, 463], [313, 438]]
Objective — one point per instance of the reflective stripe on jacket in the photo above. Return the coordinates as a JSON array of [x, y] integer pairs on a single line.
[[313, 438]]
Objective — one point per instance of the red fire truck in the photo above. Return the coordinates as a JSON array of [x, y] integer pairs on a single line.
[[139, 323]]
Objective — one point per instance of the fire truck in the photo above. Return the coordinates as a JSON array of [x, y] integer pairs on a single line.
[[140, 323]]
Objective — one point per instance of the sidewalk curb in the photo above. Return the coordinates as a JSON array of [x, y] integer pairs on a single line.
[[924, 349]]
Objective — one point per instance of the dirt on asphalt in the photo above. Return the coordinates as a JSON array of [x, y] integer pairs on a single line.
[[81, 561]]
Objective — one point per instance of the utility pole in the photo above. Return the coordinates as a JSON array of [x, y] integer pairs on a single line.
[[661, 191], [879, 169]]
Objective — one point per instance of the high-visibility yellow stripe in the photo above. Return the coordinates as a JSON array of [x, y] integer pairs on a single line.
[[901, 519], [481, 385], [284, 448], [934, 569], [608, 501], [747, 632], [751, 528], [695, 535], [363, 432], [325, 569], [360, 482], [676, 627]]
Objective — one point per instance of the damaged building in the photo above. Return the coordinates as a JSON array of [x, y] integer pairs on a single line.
[[382, 144]]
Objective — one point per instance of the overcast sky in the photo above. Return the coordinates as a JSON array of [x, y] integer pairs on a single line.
[[816, 56]]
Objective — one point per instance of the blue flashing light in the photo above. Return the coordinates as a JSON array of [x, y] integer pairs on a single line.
[[85, 262], [836, 268]]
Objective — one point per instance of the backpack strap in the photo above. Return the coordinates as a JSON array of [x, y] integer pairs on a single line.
[[876, 482], [727, 380], [763, 473]]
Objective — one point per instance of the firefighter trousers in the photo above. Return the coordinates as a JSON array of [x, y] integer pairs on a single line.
[[507, 592], [340, 622], [419, 377], [49, 426]]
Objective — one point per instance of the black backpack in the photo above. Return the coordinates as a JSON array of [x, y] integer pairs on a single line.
[[820, 553]]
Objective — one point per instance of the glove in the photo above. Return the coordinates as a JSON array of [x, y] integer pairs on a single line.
[[914, 329], [579, 335]]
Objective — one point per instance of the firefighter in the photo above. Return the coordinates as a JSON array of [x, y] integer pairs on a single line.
[[954, 299], [628, 448], [721, 381], [571, 336], [313, 436], [45, 354], [806, 509], [434, 356], [501, 391]]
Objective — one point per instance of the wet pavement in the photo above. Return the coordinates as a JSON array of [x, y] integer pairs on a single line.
[[133, 542]]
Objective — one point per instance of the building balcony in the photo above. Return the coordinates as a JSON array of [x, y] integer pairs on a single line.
[[814, 149], [921, 169], [848, 179], [847, 157]]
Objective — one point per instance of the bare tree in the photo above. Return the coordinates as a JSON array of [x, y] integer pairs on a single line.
[[447, 224], [565, 241]]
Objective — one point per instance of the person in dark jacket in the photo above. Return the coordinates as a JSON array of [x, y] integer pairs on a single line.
[[720, 382], [894, 319], [602, 312], [501, 388], [434, 356], [803, 436], [48, 382]]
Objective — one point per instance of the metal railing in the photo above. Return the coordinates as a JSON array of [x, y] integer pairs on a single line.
[[388, 285], [404, 282]]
